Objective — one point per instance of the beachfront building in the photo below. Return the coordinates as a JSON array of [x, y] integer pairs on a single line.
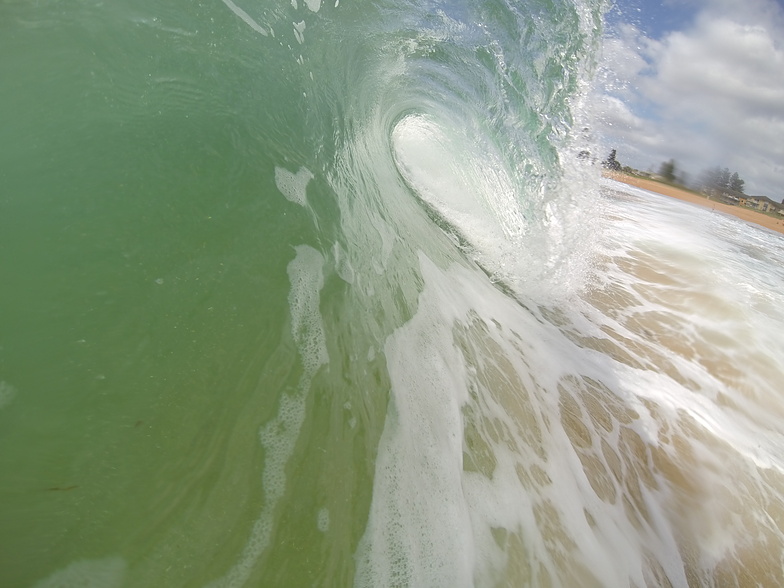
[[763, 204]]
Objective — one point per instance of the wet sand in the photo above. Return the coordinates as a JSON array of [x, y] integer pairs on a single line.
[[746, 214]]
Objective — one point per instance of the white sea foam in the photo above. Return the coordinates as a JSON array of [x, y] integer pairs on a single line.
[[245, 17], [293, 185], [342, 264], [419, 533], [299, 34], [7, 393], [519, 449], [322, 520], [307, 279], [462, 389], [279, 436]]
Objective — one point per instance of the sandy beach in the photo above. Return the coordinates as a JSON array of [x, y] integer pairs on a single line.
[[775, 224]]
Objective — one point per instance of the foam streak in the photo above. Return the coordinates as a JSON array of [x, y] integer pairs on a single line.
[[246, 17]]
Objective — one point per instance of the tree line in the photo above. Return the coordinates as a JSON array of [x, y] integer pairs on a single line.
[[713, 178], [721, 179]]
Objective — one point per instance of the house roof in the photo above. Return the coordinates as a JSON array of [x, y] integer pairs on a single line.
[[764, 198]]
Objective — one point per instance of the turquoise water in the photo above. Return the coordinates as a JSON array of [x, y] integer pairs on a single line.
[[307, 293]]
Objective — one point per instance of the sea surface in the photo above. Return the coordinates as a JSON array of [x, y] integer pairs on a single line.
[[304, 293]]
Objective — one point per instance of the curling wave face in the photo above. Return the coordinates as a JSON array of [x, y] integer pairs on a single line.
[[319, 293]]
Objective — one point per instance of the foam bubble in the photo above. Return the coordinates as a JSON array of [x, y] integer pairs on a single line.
[[322, 520], [7, 393], [307, 279], [294, 186]]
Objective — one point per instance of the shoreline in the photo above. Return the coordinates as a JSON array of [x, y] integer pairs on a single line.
[[746, 214]]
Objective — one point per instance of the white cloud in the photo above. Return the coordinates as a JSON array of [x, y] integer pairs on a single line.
[[711, 94], [615, 113], [732, 65]]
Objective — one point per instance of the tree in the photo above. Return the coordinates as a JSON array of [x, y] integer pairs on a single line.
[[736, 183], [611, 162], [667, 170], [724, 179], [711, 178], [721, 180]]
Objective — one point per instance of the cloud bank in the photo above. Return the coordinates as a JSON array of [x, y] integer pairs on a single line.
[[709, 94]]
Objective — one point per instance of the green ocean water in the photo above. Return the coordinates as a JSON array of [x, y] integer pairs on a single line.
[[297, 294], [144, 307]]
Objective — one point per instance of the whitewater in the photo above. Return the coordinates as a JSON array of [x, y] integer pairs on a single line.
[[328, 293]]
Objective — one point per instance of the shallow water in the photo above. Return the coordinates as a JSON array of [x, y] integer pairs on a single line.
[[308, 293]]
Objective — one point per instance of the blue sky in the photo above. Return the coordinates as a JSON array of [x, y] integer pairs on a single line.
[[700, 81], [655, 18]]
